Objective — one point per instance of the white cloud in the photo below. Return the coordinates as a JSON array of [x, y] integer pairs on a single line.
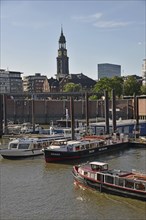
[[110, 24], [139, 43], [97, 21], [88, 19]]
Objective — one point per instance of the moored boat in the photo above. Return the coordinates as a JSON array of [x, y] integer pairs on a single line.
[[63, 150], [97, 176], [20, 148]]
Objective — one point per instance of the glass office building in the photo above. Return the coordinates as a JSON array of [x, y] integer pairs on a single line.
[[108, 70]]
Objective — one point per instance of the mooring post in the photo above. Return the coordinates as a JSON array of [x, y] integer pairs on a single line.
[[106, 104], [114, 111], [72, 118], [33, 114], [136, 106], [87, 112]]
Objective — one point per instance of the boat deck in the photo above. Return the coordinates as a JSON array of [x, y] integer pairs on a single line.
[[120, 173], [137, 177]]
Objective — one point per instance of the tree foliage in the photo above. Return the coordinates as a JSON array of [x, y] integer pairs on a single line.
[[127, 87], [143, 89], [72, 87], [131, 86], [109, 84], [117, 85]]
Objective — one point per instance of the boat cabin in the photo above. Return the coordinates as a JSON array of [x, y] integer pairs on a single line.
[[99, 172], [59, 142], [28, 143], [99, 166], [19, 144]]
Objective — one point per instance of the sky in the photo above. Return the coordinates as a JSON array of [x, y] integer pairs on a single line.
[[95, 31]]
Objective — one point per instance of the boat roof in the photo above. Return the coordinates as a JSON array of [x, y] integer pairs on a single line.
[[60, 140], [98, 163], [76, 129], [28, 140], [119, 122]]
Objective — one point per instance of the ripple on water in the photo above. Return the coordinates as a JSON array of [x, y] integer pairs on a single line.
[[32, 190]]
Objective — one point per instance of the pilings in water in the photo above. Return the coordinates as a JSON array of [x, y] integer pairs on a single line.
[[136, 113], [106, 103], [33, 114], [72, 118], [87, 111], [113, 111]]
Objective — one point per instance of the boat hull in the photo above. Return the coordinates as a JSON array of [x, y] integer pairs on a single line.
[[108, 188], [58, 156], [20, 154]]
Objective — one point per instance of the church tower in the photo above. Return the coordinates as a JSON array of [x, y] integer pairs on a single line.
[[62, 58]]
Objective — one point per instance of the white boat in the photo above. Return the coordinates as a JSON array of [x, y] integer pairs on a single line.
[[20, 148]]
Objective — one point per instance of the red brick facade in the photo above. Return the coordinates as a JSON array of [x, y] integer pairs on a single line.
[[47, 110]]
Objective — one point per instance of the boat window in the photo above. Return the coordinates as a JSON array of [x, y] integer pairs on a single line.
[[129, 184], [35, 146], [56, 143], [77, 148], [13, 146], [95, 167], [100, 177], [87, 146], [101, 143], [92, 145], [82, 147], [116, 181], [40, 145], [109, 179], [92, 175], [69, 148], [85, 173], [140, 186], [23, 146], [45, 144], [121, 182]]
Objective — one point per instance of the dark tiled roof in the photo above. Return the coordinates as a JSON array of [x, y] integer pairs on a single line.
[[79, 78]]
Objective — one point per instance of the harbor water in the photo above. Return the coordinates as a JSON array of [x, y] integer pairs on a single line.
[[31, 189]]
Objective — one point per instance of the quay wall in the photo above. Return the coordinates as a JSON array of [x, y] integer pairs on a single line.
[[45, 111]]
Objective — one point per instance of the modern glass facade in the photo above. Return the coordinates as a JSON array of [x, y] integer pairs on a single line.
[[108, 70]]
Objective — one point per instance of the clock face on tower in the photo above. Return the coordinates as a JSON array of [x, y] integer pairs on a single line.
[[59, 53], [65, 53]]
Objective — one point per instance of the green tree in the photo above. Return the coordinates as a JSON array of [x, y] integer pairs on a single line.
[[108, 84], [117, 85], [72, 87], [131, 86], [103, 84], [143, 89]]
